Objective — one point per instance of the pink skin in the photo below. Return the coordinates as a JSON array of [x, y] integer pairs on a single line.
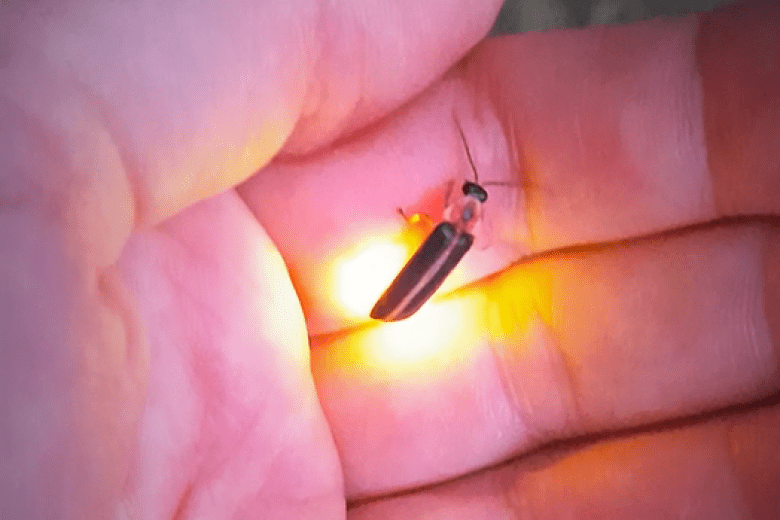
[[164, 370]]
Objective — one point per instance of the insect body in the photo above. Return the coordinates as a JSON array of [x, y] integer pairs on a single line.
[[438, 255]]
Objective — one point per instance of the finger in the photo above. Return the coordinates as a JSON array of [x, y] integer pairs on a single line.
[[73, 374], [572, 343], [623, 147], [741, 115], [116, 118], [337, 205], [727, 467], [180, 101], [626, 130], [232, 426]]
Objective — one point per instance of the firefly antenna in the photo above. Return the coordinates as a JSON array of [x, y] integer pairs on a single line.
[[468, 153]]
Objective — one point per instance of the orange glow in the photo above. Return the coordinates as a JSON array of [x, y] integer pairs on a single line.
[[446, 330], [513, 298], [417, 339], [363, 275], [432, 341]]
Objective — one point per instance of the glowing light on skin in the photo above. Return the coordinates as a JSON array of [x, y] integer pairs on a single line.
[[499, 312], [423, 347], [362, 275], [419, 339], [513, 297], [419, 343], [445, 330]]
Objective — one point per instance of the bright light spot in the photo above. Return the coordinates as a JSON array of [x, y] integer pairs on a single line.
[[362, 276], [436, 341], [417, 339]]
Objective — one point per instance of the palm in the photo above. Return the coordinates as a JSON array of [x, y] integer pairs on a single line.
[[232, 422]]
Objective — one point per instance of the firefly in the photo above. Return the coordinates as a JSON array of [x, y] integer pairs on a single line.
[[438, 255]]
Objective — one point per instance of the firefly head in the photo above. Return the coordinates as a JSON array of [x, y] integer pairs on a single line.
[[472, 189]]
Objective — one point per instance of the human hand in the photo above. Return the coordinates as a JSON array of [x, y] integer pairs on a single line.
[[630, 368], [230, 425], [190, 395]]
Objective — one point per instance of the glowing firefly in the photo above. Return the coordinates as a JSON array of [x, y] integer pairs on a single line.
[[438, 255]]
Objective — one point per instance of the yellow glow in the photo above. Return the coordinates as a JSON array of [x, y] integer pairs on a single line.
[[447, 331], [361, 277], [362, 274], [429, 343], [417, 339], [444, 332], [515, 297]]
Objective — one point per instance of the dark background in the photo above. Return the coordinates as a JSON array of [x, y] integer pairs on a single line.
[[532, 15]]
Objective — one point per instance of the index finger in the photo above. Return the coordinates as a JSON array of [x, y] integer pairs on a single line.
[[627, 130], [617, 132], [641, 331], [575, 342]]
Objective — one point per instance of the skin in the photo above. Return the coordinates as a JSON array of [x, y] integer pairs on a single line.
[[157, 363]]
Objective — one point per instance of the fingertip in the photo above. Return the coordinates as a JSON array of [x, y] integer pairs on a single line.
[[736, 55], [606, 123], [376, 57]]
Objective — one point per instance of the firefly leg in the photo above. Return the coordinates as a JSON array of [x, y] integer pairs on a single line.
[[448, 196]]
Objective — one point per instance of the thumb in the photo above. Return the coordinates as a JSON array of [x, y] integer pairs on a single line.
[[180, 101], [117, 118]]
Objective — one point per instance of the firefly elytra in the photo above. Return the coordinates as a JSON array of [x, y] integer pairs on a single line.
[[438, 255]]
